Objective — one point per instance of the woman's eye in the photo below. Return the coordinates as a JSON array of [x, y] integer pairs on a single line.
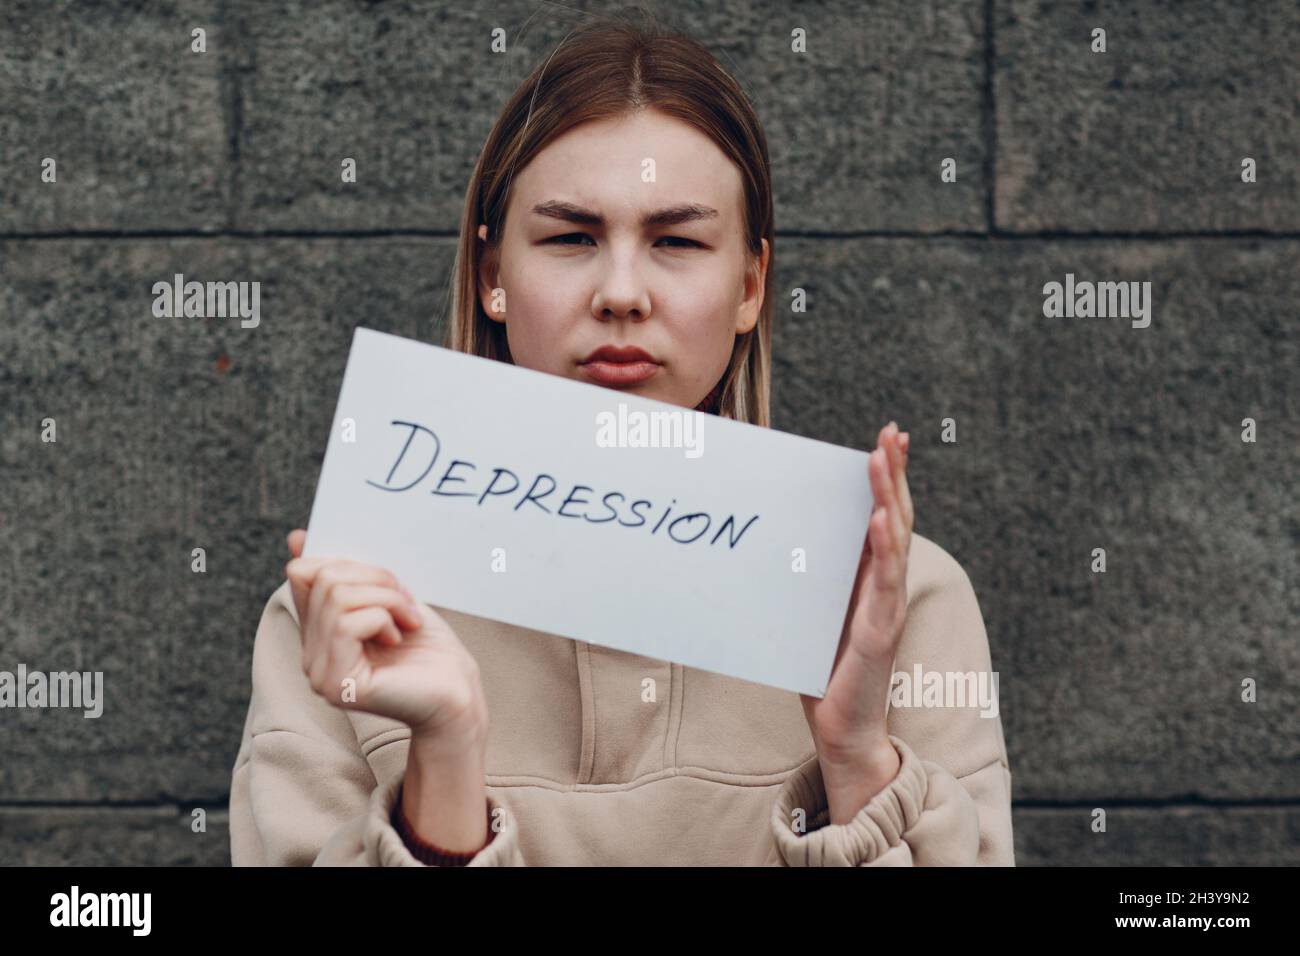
[[561, 240], [568, 240]]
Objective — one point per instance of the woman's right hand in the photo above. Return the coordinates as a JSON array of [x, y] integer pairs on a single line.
[[358, 622]]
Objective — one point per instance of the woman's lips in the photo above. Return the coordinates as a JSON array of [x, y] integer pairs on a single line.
[[604, 372]]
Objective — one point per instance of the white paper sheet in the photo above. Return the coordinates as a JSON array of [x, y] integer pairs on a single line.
[[721, 591]]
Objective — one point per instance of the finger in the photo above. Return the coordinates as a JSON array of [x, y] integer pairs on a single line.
[[390, 636], [905, 491], [890, 443], [341, 571], [887, 510], [318, 618], [340, 659], [346, 599], [898, 522], [349, 597], [295, 539], [866, 556], [882, 484], [894, 452], [886, 571], [301, 574], [904, 495], [878, 605], [888, 498], [354, 629], [305, 570], [897, 478], [895, 574]]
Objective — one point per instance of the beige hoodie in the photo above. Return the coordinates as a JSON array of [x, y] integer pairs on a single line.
[[713, 771]]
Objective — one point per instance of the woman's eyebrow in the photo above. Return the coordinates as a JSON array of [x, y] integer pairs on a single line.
[[668, 216]]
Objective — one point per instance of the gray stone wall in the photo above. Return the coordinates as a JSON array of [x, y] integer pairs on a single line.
[[1119, 691]]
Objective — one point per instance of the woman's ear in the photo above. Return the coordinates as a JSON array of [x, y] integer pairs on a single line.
[[751, 306], [487, 270]]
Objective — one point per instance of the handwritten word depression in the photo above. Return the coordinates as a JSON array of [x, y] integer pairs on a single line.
[[684, 529]]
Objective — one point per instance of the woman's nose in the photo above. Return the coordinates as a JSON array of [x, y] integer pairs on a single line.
[[622, 294]]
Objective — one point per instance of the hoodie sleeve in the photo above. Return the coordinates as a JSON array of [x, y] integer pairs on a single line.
[[950, 803], [302, 792]]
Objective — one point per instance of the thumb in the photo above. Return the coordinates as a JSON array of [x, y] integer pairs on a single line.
[[296, 538]]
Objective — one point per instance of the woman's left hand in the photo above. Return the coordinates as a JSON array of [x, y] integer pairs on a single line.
[[849, 724]]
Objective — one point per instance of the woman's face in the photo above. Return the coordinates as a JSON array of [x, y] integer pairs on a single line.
[[626, 233]]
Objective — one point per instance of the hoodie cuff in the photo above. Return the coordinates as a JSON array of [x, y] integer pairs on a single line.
[[873, 831], [384, 846]]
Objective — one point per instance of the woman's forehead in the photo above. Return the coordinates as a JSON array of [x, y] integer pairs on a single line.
[[629, 186], [627, 142]]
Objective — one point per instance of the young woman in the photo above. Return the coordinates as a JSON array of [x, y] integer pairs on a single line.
[[618, 230]]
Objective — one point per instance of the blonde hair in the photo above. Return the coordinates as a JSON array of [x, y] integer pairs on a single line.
[[608, 67]]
